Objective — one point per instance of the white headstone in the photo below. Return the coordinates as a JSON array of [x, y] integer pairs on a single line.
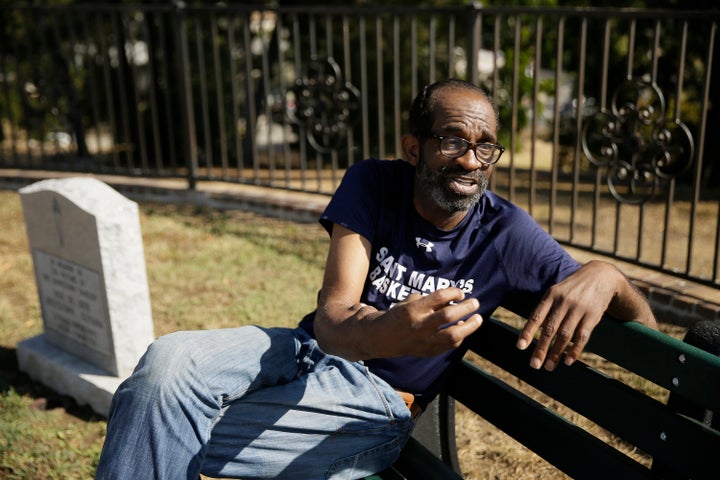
[[89, 264]]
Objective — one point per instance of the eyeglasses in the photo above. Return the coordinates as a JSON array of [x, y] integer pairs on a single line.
[[454, 147]]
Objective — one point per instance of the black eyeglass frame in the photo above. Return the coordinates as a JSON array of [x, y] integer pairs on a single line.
[[471, 145]]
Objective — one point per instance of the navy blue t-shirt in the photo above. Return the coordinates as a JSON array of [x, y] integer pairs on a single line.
[[497, 254]]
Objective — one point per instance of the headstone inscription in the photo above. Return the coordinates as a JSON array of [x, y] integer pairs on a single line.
[[89, 263]]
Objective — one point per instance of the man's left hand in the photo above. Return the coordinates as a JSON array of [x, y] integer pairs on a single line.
[[568, 313]]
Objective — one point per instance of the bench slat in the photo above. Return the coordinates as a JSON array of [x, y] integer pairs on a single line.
[[565, 445], [677, 366], [641, 420]]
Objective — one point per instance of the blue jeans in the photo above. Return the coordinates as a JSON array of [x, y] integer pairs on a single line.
[[251, 403]]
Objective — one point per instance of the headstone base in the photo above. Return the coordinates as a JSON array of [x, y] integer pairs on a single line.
[[67, 374]]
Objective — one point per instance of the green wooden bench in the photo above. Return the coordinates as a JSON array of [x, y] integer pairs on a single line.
[[681, 435]]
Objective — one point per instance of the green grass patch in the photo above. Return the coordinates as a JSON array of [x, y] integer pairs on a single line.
[[41, 440]]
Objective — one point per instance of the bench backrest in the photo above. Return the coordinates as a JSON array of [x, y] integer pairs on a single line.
[[681, 446]]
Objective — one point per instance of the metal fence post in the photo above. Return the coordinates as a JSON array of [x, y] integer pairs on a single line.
[[473, 43], [188, 115]]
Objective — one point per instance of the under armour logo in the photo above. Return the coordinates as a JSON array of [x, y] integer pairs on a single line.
[[427, 245]]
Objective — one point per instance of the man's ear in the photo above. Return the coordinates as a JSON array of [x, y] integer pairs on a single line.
[[410, 148]]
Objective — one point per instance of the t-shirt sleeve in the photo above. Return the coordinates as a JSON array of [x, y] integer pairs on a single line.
[[354, 204], [533, 261]]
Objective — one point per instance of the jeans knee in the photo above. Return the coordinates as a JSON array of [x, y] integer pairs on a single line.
[[215, 363], [169, 360], [168, 349]]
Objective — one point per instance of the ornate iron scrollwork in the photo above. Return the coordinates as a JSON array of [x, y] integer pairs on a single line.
[[636, 144], [325, 105]]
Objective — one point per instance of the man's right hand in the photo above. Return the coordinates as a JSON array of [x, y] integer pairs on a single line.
[[427, 325], [422, 325]]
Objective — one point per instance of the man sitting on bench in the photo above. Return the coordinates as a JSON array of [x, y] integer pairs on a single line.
[[420, 251]]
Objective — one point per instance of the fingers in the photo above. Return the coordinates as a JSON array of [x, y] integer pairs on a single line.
[[441, 320], [455, 313], [534, 323], [580, 340], [444, 307], [457, 321], [441, 298], [561, 332], [554, 338], [454, 334], [556, 331]]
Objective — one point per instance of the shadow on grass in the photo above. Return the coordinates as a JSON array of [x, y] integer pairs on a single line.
[[43, 398]]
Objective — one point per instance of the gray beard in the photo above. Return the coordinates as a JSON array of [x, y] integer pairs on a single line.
[[436, 185]]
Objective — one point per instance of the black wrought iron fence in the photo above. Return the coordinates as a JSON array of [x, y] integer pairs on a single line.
[[610, 116]]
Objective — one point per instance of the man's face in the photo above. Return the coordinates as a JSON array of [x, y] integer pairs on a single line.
[[456, 184], [442, 184]]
